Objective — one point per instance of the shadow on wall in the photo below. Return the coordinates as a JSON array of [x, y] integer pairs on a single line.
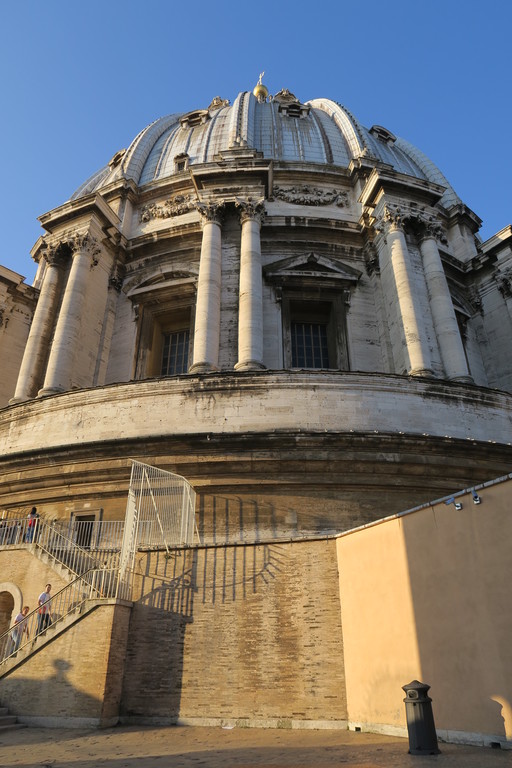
[[460, 573], [166, 587], [52, 696], [224, 520]]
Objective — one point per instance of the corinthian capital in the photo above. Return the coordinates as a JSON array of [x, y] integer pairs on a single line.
[[430, 227], [55, 254], [211, 212], [84, 243], [251, 209]]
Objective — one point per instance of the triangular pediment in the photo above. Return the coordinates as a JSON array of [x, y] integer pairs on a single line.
[[308, 266]]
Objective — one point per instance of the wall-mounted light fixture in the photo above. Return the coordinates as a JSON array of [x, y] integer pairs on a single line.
[[456, 504], [476, 497]]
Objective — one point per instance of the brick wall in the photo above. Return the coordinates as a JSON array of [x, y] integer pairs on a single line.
[[76, 678], [237, 632]]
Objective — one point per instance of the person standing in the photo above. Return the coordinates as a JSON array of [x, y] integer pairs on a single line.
[[44, 618], [33, 517], [20, 629]]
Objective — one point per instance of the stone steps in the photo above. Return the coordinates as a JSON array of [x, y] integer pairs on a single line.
[[9, 722]]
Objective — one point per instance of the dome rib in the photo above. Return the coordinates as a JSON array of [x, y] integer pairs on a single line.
[[140, 148], [430, 170], [344, 121], [328, 134]]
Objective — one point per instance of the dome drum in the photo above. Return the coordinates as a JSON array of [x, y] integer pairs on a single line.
[[267, 268]]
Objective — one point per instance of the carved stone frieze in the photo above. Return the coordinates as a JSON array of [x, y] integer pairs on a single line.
[[306, 195], [210, 212], [174, 206], [251, 209]]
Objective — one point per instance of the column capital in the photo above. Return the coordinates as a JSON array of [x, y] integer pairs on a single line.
[[391, 219], [210, 212], [429, 227], [251, 209], [84, 243], [55, 254]]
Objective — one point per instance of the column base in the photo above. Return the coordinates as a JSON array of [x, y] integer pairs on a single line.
[[425, 372], [15, 400], [47, 391], [250, 365], [203, 368], [462, 379]]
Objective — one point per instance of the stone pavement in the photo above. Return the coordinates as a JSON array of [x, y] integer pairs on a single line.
[[188, 747]]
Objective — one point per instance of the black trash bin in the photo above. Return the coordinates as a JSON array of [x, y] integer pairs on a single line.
[[420, 719]]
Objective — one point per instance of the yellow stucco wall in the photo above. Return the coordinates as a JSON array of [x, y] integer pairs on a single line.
[[426, 596]]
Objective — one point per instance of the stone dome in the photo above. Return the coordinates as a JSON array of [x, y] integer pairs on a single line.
[[281, 128]]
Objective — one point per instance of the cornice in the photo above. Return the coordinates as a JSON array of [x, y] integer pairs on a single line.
[[78, 209], [383, 181]]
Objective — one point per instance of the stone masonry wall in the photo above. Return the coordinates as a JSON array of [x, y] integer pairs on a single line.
[[75, 679], [237, 632]]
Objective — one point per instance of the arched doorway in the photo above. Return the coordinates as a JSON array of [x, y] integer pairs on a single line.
[[6, 612]]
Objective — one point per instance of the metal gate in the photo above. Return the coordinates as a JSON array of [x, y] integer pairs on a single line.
[[160, 512]]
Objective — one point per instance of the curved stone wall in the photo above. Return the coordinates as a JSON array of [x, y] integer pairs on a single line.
[[269, 454], [259, 402]]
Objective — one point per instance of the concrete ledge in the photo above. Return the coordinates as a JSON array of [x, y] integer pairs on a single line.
[[67, 722], [241, 722], [448, 737]]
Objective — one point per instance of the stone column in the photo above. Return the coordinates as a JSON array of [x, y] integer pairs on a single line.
[[416, 343], [67, 332], [250, 306], [207, 320], [36, 349], [443, 313]]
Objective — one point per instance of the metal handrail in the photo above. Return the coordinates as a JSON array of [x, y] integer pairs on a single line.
[[95, 584]]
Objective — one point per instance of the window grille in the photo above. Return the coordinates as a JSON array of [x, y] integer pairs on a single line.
[[309, 345], [175, 353]]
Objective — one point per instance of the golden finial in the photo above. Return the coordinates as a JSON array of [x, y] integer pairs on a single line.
[[260, 91]]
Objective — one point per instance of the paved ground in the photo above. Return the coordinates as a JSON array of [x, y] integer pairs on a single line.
[[187, 747]]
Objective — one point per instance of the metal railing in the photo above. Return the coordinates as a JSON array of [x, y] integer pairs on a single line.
[[95, 584]]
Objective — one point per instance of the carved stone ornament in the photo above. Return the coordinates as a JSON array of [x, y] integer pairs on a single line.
[[217, 103], [475, 300], [56, 254], [371, 259], [210, 212], [306, 195], [174, 206], [430, 226], [251, 209], [85, 243], [504, 283], [116, 279]]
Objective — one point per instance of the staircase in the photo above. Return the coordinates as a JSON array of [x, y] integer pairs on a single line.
[[9, 722]]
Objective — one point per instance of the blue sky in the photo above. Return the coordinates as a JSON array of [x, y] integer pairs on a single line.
[[80, 80]]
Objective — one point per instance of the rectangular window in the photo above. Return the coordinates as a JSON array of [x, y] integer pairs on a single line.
[[309, 345], [175, 353]]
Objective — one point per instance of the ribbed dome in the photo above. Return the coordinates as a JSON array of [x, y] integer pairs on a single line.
[[282, 129]]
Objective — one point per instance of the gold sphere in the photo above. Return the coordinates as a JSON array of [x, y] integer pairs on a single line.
[[260, 91]]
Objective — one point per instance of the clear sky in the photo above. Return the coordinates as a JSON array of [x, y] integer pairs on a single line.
[[81, 79]]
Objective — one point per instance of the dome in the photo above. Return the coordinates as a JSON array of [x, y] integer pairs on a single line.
[[281, 128]]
